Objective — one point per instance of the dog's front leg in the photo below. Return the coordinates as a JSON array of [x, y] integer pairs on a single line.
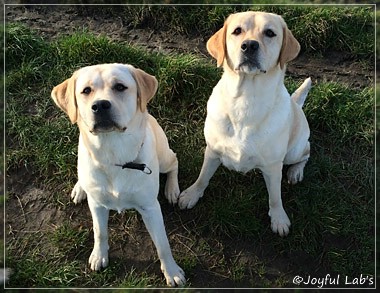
[[191, 195], [99, 255], [280, 222], [154, 223]]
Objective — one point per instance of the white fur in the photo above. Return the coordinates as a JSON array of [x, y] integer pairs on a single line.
[[251, 120], [137, 138]]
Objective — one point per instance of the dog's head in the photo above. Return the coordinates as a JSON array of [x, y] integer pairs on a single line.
[[106, 97], [253, 43]]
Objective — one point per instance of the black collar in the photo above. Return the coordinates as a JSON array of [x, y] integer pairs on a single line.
[[136, 166]]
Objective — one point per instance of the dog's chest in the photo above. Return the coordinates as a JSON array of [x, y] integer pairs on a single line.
[[122, 189], [242, 142], [116, 188], [239, 149]]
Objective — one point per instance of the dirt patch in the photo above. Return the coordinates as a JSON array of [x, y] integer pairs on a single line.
[[28, 207]]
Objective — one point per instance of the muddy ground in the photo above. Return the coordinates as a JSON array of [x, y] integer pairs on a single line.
[[28, 210]]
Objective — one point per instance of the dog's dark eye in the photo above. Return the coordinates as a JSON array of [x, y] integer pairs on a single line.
[[119, 87], [269, 33], [237, 31], [86, 91]]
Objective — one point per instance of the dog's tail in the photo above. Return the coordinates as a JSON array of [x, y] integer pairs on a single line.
[[299, 96]]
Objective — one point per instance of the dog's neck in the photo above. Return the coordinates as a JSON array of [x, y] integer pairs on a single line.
[[251, 97], [255, 86], [133, 138]]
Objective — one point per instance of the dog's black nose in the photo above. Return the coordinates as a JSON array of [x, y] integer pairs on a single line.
[[249, 46], [101, 106]]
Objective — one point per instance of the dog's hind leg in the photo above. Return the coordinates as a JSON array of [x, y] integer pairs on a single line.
[[168, 162], [170, 167], [78, 194], [295, 172]]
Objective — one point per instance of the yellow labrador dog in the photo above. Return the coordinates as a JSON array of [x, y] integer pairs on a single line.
[[121, 152], [252, 122]]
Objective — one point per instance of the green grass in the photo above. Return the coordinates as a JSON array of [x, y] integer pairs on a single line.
[[227, 236]]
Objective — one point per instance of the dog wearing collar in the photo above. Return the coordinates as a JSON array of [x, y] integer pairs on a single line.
[[122, 149], [252, 122]]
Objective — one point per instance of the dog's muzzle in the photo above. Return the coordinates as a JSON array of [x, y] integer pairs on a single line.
[[249, 57], [103, 120]]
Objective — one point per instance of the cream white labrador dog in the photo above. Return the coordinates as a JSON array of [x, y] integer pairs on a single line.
[[121, 152], [252, 122]]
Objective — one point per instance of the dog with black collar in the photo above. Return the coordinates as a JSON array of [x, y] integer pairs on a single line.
[[122, 149]]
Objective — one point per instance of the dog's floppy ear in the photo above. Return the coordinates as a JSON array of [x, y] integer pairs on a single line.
[[146, 87], [64, 96], [290, 48], [216, 45]]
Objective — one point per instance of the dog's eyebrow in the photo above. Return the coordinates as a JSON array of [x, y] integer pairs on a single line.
[[269, 26], [91, 81], [115, 80]]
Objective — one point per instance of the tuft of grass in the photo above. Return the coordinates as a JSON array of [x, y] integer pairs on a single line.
[[69, 239], [232, 210], [40, 266], [22, 46], [334, 109], [136, 280], [320, 29]]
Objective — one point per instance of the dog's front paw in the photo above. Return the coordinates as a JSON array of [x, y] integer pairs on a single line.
[[78, 194], [189, 198], [98, 259], [174, 275], [280, 222]]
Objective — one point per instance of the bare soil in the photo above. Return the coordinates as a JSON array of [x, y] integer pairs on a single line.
[[30, 210]]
